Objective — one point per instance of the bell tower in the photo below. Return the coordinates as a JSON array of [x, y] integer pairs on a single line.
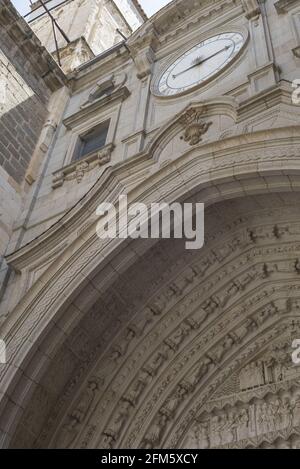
[[75, 31]]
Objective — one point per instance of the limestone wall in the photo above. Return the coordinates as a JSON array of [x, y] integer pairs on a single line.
[[260, 78], [28, 77]]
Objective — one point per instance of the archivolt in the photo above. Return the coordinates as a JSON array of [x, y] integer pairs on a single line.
[[171, 345], [48, 324]]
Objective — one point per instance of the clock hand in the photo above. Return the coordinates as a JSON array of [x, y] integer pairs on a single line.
[[216, 53], [200, 62]]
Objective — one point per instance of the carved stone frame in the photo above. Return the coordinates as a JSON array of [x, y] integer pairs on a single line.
[[90, 115]]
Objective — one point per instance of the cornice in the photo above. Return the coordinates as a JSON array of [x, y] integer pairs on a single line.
[[263, 101], [134, 173], [106, 63], [139, 8], [284, 6], [117, 96], [252, 8], [179, 16]]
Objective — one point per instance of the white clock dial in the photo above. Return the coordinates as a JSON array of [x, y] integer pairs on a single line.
[[200, 63]]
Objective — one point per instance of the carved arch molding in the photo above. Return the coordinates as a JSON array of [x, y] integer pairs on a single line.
[[195, 352]]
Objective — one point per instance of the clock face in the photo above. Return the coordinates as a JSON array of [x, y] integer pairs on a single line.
[[200, 63]]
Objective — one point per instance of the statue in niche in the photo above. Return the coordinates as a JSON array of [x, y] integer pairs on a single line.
[[114, 356], [215, 434], [199, 438], [119, 419], [86, 399], [262, 418], [203, 435], [228, 428], [155, 434], [258, 371], [272, 417], [224, 298], [296, 412], [264, 315], [210, 306], [286, 414], [158, 306], [138, 387], [243, 422], [174, 401], [71, 429], [279, 371], [297, 266], [107, 442], [277, 365], [154, 365], [177, 338], [276, 407], [124, 344], [202, 369], [221, 350], [196, 320], [67, 434]]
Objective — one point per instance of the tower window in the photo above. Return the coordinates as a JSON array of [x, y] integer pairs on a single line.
[[92, 141]]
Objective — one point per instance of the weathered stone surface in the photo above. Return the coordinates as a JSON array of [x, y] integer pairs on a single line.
[[144, 344]]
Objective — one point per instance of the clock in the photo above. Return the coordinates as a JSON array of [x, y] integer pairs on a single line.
[[200, 64]]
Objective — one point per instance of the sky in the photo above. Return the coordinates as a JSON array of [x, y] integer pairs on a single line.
[[150, 6]]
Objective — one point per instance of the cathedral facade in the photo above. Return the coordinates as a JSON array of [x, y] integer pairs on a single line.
[[139, 343]]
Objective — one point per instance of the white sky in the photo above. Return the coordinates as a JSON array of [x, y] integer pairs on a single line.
[[150, 6]]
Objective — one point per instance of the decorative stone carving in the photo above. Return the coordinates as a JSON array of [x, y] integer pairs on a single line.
[[252, 8], [296, 51], [124, 344], [155, 433], [138, 387], [116, 426], [106, 88], [283, 6], [78, 169], [194, 126], [143, 49], [171, 406], [76, 418], [238, 424]]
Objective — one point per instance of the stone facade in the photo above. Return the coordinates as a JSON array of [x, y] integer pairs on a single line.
[[127, 344], [28, 79]]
